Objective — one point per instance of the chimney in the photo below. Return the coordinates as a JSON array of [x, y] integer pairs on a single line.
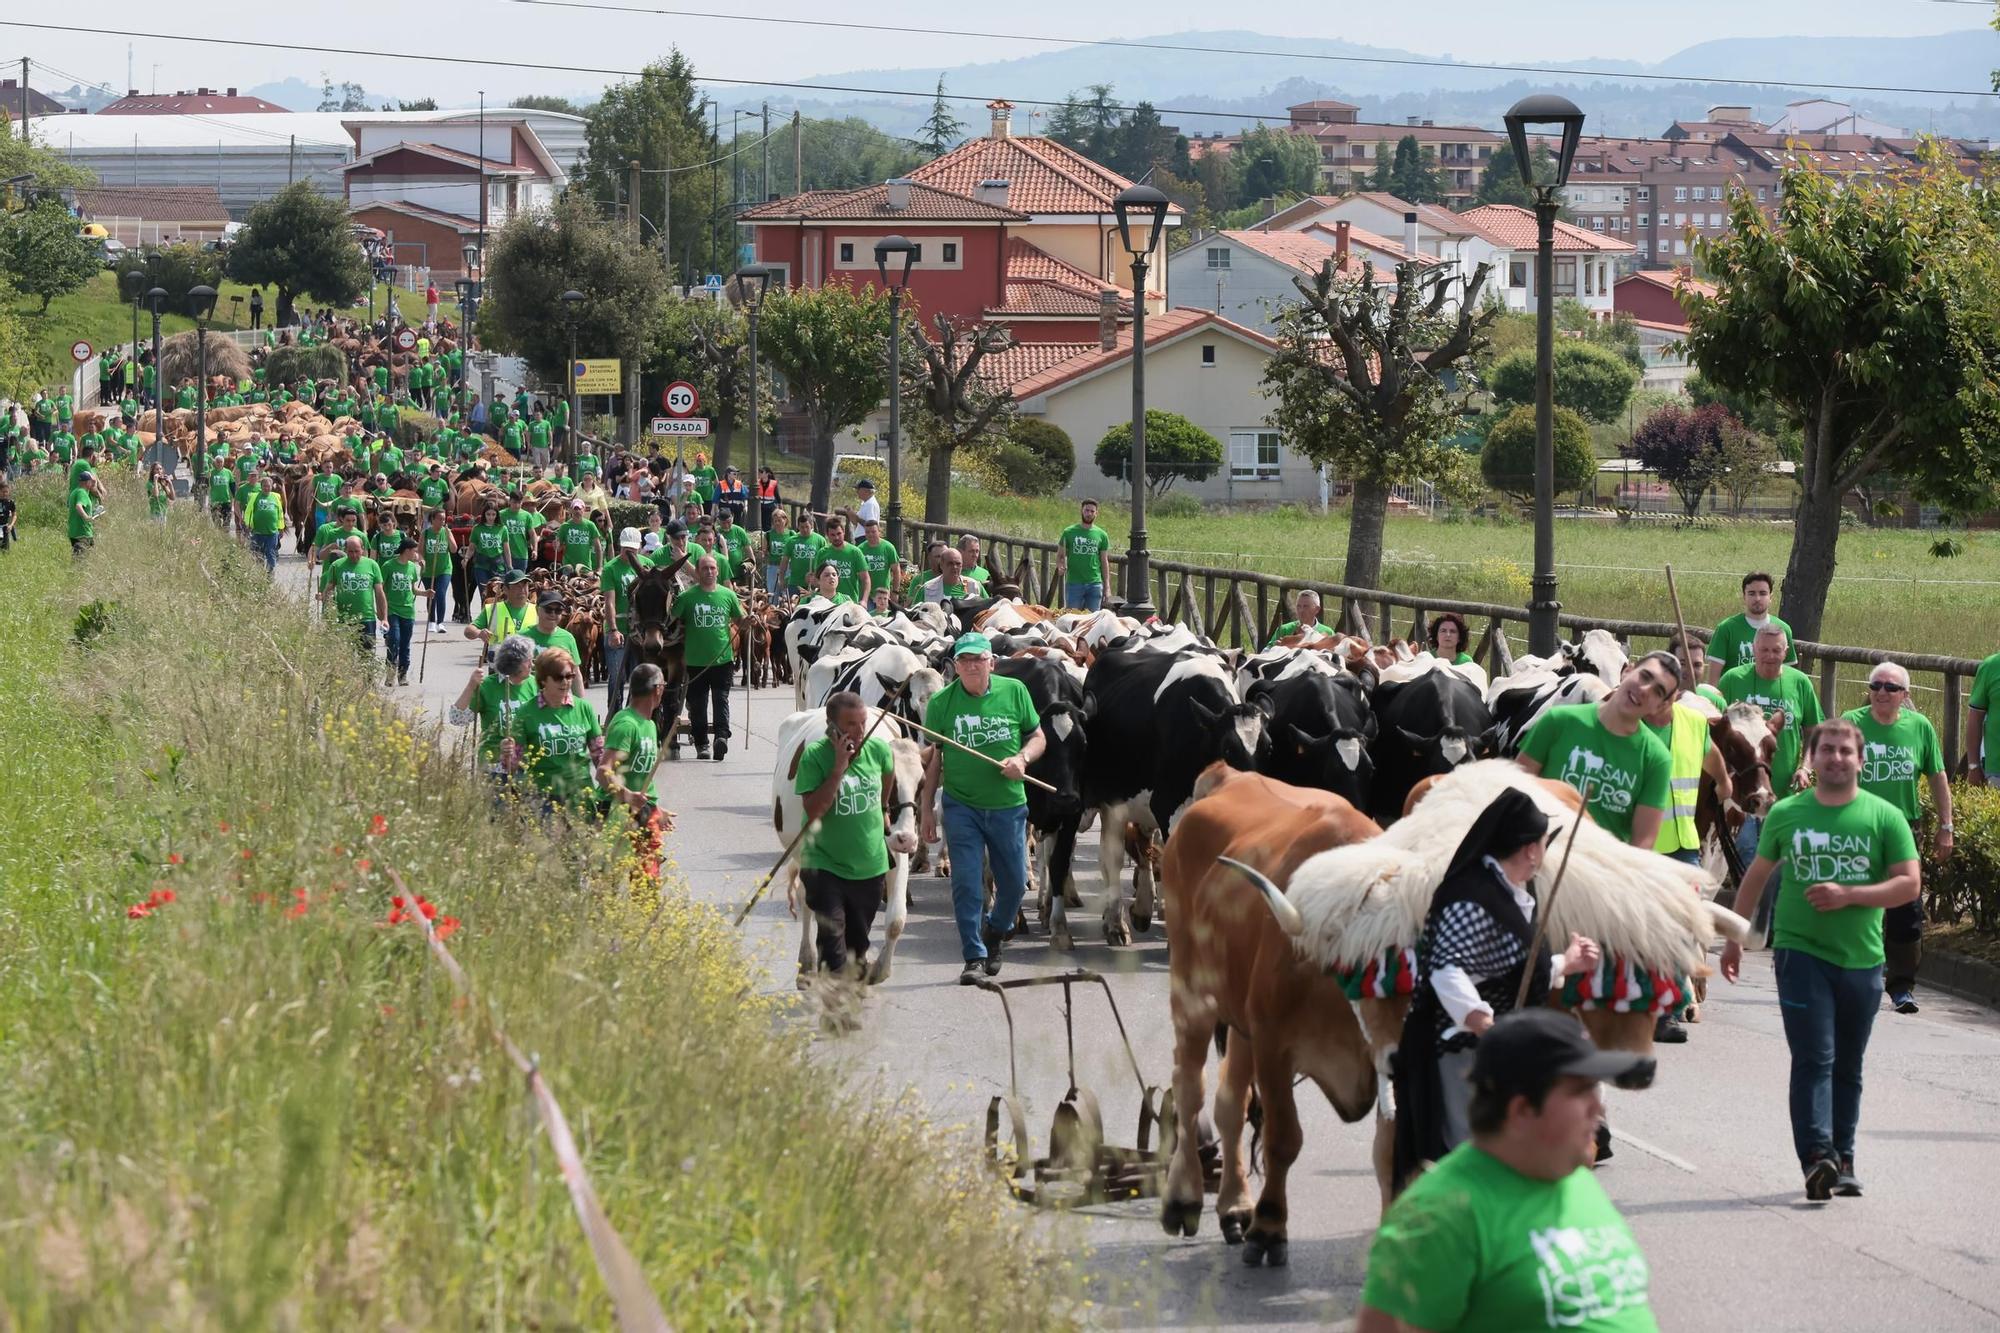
[[899, 194], [992, 192], [1430, 124], [1410, 233], [231, 93], [1107, 319], [1411, 120], [1341, 232], [132, 92], [1003, 115]]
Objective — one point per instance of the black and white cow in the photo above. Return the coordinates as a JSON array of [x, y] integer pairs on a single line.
[[1321, 727], [1054, 817], [1157, 719], [887, 675], [1518, 701], [1425, 726], [818, 627]]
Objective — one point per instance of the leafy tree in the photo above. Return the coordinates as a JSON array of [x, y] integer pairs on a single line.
[[548, 102], [1619, 334], [1383, 178], [341, 96], [300, 242], [829, 343], [1276, 164], [656, 121], [1684, 448], [43, 252], [957, 407], [1589, 380], [848, 153], [941, 130], [536, 257], [1501, 182], [179, 269], [421, 104], [707, 343], [1866, 312], [1746, 459], [1507, 463], [1036, 457], [43, 170], [1144, 144], [1089, 125], [20, 376], [1175, 448], [1372, 379], [1414, 177]]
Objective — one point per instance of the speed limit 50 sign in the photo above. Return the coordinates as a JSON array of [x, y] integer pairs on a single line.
[[680, 399]]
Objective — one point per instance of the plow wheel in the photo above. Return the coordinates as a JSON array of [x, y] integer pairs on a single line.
[[1076, 1141], [1009, 1156]]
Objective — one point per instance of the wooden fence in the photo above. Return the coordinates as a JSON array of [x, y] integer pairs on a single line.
[[1237, 608]]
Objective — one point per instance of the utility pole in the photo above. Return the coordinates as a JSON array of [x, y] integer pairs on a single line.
[[24, 99], [798, 156], [764, 182], [667, 214], [715, 183], [632, 201], [291, 161], [632, 360]]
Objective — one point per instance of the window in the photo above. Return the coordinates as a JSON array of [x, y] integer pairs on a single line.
[[847, 252], [917, 253], [1645, 221], [1715, 192], [1760, 194], [1680, 194], [1517, 273], [1218, 256], [950, 252], [1208, 354], [1645, 248], [1597, 223], [1253, 455], [1715, 220], [1680, 247], [1680, 219], [1645, 194]]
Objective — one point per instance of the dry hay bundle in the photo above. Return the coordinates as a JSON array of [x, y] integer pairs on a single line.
[[498, 457], [225, 358], [1361, 901]]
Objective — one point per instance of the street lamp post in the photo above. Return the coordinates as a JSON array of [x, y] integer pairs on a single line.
[[153, 299], [201, 305], [572, 310], [133, 279], [470, 311], [753, 281], [1558, 114], [1142, 215], [896, 282]]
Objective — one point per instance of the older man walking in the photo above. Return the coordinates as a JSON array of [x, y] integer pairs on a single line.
[[1782, 692]]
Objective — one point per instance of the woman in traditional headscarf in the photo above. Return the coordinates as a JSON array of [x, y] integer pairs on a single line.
[[1473, 951]]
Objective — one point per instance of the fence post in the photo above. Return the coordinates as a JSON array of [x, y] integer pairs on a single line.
[[1388, 630], [1419, 626], [1249, 632], [1261, 626], [1160, 581], [1184, 602], [1951, 740], [1207, 597], [1828, 685]]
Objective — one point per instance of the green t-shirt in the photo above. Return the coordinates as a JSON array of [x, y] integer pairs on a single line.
[[635, 736], [1855, 843], [332, 535], [493, 703], [1474, 1246], [1791, 691], [489, 541], [850, 840], [617, 579], [880, 558], [802, 549], [1734, 641], [538, 433], [707, 615], [704, 483], [267, 513], [1291, 627], [432, 490], [738, 541], [354, 583], [1083, 551], [437, 551], [1895, 756], [503, 619], [513, 437], [555, 745], [520, 524], [1985, 697], [996, 724], [354, 504], [580, 539], [385, 543], [852, 565], [725, 568], [157, 496], [1573, 745], [82, 510], [402, 578], [553, 638], [218, 489]]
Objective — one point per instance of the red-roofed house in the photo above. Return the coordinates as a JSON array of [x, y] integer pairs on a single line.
[[199, 102], [1247, 276], [1013, 229], [1585, 261], [424, 195], [1649, 297]]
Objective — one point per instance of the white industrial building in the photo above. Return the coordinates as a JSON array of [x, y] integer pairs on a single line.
[[248, 158]]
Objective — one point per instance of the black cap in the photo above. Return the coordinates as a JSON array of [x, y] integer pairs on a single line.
[[676, 528], [552, 597], [1526, 1052], [864, 485]]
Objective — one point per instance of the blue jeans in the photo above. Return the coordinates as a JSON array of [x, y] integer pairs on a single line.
[[974, 837], [1746, 848], [265, 544], [771, 579], [397, 641], [440, 597], [1686, 856], [1828, 1012], [1084, 596], [614, 678]]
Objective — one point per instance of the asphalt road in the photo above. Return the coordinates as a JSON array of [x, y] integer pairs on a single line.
[[1703, 1171]]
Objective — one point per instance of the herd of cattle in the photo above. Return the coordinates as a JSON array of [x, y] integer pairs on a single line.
[[1290, 763]]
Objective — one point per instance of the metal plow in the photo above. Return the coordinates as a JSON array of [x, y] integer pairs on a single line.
[[1080, 1167]]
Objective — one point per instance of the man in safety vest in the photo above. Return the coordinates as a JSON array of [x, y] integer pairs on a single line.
[[1682, 727]]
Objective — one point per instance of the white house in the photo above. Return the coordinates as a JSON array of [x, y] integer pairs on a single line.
[[1423, 229], [1820, 115], [1586, 262], [1248, 276]]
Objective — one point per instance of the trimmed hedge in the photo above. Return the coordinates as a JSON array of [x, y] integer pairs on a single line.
[[1967, 887]]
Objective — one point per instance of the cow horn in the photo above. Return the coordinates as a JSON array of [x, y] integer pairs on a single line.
[[1288, 916], [1728, 924]]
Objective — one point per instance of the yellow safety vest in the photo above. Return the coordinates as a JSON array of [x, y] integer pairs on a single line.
[[1687, 745], [503, 623]]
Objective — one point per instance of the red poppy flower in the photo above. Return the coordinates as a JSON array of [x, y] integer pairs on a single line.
[[223, 825], [296, 910], [377, 826], [363, 864], [166, 895], [338, 850], [300, 894], [137, 910], [447, 927], [246, 853], [396, 901], [173, 858], [429, 909]]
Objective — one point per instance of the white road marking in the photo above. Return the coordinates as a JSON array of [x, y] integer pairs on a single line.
[[1680, 1162]]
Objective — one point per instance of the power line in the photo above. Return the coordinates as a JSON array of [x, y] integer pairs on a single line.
[[1407, 62]]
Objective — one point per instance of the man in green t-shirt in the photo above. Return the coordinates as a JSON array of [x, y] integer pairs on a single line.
[[539, 432], [1898, 746], [615, 582], [86, 506], [1982, 761], [951, 584], [1779, 690], [985, 805], [511, 614], [354, 584], [1511, 1231], [582, 543], [703, 473], [264, 515], [707, 613], [853, 565], [1734, 642], [1605, 751], [1308, 611], [1846, 855], [1086, 568], [520, 524], [879, 554], [847, 780], [801, 555], [221, 495], [632, 752]]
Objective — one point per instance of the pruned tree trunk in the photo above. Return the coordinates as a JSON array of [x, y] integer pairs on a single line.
[[937, 486], [822, 469], [724, 440], [1364, 534], [1809, 570], [285, 315]]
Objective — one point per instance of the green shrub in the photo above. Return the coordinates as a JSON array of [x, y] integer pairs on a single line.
[[414, 426], [1507, 461], [1967, 887], [1177, 505], [627, 514], [1035, 457], [178, 269], [1175, 448], [1592, 381]]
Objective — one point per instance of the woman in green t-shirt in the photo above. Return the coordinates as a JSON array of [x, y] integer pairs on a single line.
[[1449, 637], [159, 490], [489, 547], [555, 736], [491, 698]]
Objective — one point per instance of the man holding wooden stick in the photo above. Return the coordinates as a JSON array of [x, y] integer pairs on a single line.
[[995, 734]]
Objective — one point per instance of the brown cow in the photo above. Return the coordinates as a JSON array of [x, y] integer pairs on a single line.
[[1234, 967]]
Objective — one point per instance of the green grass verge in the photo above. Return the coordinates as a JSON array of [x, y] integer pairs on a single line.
[[261, 1107], [100, 315]]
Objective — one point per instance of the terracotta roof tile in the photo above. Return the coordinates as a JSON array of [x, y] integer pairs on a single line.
[[871, 203], [1040, 284], [1043, 298], [465, 225], [1023, 360], [1043, 176], [1308, 251], [1669, 280], [1514, 227], [153, 203], [1430, 215], [1159, 329]]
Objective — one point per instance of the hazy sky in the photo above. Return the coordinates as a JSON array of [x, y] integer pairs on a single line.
[[1471, 30]]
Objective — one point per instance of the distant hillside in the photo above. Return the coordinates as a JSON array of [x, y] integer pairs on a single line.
[[1233, 91]]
